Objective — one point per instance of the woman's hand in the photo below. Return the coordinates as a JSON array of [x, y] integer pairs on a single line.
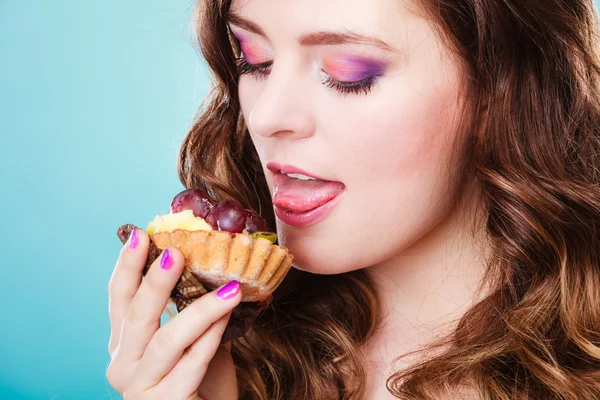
[[183, 358]]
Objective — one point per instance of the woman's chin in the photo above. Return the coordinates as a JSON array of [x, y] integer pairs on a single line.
[[315, 264], [315, 252]]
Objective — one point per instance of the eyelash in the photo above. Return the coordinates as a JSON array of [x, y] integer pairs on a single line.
[[262, 69]]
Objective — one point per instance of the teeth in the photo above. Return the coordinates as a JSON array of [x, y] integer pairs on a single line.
[[301, 177]]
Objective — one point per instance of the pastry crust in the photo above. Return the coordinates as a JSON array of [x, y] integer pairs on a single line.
[[217, 257], [189, 288]]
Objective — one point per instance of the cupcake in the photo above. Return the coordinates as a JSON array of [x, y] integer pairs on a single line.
[[220, 241]]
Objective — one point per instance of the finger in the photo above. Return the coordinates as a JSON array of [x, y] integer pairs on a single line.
[[167, 346], [185, 377], [220, 370], [125, 281], [143, 316]]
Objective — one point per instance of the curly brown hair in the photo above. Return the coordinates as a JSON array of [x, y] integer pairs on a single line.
[[532, 73]]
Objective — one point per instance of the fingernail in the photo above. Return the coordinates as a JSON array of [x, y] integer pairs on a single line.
[[133, 239], [228, 291], [166, 262]]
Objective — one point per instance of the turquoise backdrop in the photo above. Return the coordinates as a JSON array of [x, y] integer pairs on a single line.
[[95, 99]]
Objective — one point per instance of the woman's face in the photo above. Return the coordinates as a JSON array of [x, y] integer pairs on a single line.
[[364, 95]]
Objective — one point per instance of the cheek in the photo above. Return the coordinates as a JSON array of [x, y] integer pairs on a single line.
[[248, 91], [408, 133], [396, 164], [404, 133]]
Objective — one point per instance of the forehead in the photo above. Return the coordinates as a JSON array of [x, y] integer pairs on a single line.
[[386, 19]]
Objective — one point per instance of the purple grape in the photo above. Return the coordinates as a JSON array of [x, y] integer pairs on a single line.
[[192, 199], [211, 219], [254, 222], [229, 215]]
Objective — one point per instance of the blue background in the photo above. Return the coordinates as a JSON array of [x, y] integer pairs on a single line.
[[95, 100]]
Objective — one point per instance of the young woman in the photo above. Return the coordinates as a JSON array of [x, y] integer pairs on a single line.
[[455, 250]]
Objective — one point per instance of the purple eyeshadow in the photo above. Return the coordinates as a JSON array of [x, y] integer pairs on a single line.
[[350, 69]]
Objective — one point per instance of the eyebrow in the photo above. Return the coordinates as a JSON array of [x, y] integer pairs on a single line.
[[316, 38]]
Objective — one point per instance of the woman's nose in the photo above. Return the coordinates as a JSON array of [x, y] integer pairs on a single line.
[[283, 108]]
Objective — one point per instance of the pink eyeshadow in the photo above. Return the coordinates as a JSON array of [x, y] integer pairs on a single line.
[[352, 69], [252, 51]]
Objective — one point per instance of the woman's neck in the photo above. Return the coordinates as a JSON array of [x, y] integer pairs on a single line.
[[424, 290]]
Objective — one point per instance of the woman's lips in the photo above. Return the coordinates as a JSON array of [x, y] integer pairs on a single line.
[[300, 196], [277, 168]]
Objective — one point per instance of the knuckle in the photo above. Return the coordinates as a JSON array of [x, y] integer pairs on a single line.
[[208, 309], [157, 285], [133, 315], [112, 282], [113, 288], [114, 345], [111, 345], [112, 312], [194, 352], [136, 318], [120, 285], [161, 343], [115, 378], [196, 355]]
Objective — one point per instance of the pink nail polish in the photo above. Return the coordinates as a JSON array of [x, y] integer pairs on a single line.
[[133, 239], [228, 291], [166, 262]]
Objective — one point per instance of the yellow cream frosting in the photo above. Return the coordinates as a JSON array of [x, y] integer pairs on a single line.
[[182, 220]]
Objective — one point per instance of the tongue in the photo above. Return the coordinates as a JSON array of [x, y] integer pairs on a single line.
[[300, 196]]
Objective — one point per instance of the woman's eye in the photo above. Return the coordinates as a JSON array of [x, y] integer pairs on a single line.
[[259, 70], [263, 69], [351, 87]]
